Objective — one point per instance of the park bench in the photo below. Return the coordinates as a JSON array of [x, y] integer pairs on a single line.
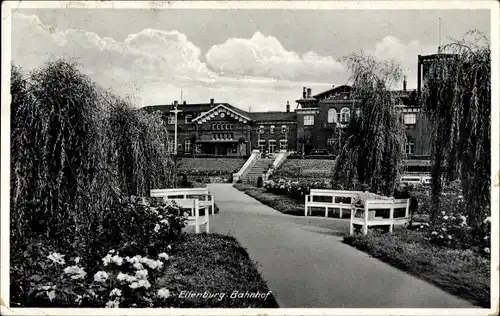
[[202, 194], [389, 212], [330, 199], [194, 218]]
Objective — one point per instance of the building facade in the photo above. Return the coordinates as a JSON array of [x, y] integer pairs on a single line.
[[317, 123]]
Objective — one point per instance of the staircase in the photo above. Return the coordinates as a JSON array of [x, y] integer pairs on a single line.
[[260, 166]]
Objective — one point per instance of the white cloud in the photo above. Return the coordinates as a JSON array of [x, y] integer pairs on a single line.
[[265, 56], [391, 48]]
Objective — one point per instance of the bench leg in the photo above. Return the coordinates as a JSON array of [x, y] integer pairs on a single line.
[[326, 211], [365, 229], [340, 212], [351, 229], [305, 210], [391, 227]]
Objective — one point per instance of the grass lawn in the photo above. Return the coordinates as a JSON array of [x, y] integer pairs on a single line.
[[459, 272], [218, 265], [305, 168], [211, 164]]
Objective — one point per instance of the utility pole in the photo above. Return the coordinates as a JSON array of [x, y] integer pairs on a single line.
[[175, 111], [439, 47]]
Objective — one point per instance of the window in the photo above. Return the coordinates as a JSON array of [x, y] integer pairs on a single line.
[[272, 145], [227, 127], [308, 120], [188, 118], [410, 119], [171, 119], [332, 115], [213, 127], [330, 141], [345, 115], [261, 129], [358, 112], [170, 146], [271, 130], [187, 145], [283, 129], [410, 147], [231, 126], [283, 144], [262, 145]]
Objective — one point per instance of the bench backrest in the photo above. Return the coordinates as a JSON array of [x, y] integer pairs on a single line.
[[324, 192], [387, 204], [179, 192]]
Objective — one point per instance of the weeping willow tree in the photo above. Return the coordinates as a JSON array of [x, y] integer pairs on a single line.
[[375, 137], [456, 97]]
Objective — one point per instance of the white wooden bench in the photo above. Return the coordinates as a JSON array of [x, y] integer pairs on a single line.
[[381, 213], [332, 198], [202, 194], [194, 218]]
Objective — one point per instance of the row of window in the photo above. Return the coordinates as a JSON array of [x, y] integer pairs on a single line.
[[272, 129], [283, 145], [222, 136], [333, 117], [187, 119], [222, 127]]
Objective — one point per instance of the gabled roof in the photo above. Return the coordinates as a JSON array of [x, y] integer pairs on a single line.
[[225, 108], [342, 88], [273, 116]]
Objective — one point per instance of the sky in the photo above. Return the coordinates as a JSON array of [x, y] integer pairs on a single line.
[[252, 59]]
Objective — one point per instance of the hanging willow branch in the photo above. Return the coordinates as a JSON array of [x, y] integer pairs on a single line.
[[457, 98], [372, 153]]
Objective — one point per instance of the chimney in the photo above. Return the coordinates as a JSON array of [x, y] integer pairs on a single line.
[[304, 93], [184, 103], [404, 84], [175, 103], [287, 106], [211, 101], [308, 92]]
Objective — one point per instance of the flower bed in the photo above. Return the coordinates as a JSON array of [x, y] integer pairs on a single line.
[[293, 189], [461, 272]]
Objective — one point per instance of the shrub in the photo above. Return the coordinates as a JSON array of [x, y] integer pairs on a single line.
[[142, 227]]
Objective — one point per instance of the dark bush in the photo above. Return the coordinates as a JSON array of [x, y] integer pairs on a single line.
[[259, 182]]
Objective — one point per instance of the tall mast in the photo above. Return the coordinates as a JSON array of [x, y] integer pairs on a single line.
[[439, 25]]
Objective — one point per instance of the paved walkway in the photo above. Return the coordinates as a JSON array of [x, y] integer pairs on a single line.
[[307, 266]]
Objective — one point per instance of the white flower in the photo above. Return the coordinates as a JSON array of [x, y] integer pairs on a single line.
[[445, 217], [169, 247], [144, 283], [78, 299], [112, 304], [163, 255], [115, 292], [138, 266], [443, 229], [487, 250], [434, 233], [101, 276], [77, 259], [117, 260], [76, 272], [112, 251], [164, 221], [487, 220], [56, 258], [449, 237], [141, 274], [443, 212], [134, 285], [51, 295], [157, 228], [163, 293], [106, 260], [121, 276]]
